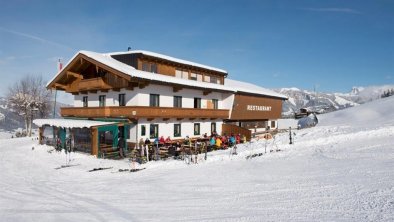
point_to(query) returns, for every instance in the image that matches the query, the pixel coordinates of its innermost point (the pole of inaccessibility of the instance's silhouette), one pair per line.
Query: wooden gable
(86, 74)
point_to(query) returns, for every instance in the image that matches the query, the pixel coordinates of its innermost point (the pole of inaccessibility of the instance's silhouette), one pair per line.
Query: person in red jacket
(238, 138)
(161, 140)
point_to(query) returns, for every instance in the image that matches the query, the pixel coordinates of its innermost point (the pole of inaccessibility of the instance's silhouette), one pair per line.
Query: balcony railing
(135, 112)
(93, 83)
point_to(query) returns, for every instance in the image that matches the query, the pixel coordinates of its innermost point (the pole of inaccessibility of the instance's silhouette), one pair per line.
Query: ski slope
(341, 170)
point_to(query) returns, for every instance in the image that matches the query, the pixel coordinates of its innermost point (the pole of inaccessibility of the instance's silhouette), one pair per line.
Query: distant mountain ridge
(327, 102)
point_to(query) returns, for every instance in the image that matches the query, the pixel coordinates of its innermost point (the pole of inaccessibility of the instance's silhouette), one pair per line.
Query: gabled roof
(168, 58)
(230, 85)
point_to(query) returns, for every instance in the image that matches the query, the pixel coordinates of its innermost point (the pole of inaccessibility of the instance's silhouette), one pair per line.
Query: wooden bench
(108, 151)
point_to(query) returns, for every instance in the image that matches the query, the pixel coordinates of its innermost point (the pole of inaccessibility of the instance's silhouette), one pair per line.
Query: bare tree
(29, 97)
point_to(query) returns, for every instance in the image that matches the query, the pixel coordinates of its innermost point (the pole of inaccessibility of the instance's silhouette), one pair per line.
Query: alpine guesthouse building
(140, 94)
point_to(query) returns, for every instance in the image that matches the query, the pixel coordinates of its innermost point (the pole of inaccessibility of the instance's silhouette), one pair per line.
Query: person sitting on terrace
(157, 149)
(218, 142)
(188, 141)
(224, 139)
(156, 141)
(232, 140)
(161, 141)
(168, 140)
(212, 141)
(147, 141)
(205, 136)
(238, 138)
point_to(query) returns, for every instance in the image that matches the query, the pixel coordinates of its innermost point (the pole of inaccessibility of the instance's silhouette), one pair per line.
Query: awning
(71, 123)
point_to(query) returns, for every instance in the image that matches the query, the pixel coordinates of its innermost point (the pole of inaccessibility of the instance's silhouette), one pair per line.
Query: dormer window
(149, 67)
(196, 77)
(181, 74)
(214, 79)
(193, 76)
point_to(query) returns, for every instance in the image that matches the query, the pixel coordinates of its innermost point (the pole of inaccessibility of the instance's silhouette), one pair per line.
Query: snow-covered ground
(341, 170)
(5, 134)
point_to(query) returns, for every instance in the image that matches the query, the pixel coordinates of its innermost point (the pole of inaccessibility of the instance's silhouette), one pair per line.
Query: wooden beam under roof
(143, 84)
(176, 88)
(206, 92)
(76, 75)
(131, 85)
(61, 86)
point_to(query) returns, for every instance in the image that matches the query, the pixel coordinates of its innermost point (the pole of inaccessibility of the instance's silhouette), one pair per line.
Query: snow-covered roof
(129, 70)
(70, 123)
(230, 85)
(169, 58)
(251, 88)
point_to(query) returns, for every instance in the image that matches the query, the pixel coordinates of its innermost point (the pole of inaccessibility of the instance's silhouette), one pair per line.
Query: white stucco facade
(140, 97)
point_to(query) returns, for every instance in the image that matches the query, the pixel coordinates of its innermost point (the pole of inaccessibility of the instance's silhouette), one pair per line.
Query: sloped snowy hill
(341, 170)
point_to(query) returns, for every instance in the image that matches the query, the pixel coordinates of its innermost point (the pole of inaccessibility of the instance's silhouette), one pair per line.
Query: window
(143, 130)
(199, 77)
(122, 101)
(193, 76)
(154, 131)
(215, 103)
(178, 101)
(178, 73)
(177, 130)
(207, 79)
(154, 100)
(181, 74)
(196, 129)
(149, 67)
(102, 100)
(214, 79)
(197, 103)
(153, 68)
(145, 66)
(273, 124)
(213, 127)
(85, 101)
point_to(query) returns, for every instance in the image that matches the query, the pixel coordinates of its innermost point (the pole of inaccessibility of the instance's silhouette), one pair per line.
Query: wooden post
(94, 139)
(40, 133)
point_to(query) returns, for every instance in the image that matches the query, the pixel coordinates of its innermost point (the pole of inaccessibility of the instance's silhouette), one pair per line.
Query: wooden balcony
(136, 112)
(92, 84)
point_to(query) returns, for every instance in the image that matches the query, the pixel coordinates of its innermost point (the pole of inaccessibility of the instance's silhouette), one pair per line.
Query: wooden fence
(230, 128)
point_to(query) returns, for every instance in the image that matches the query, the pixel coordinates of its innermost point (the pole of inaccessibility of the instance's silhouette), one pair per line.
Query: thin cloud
(44, 41)
(275, 75)
(336, 10)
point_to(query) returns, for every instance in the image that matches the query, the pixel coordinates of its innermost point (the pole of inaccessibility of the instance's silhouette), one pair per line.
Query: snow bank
(286, 123)
(376, 113)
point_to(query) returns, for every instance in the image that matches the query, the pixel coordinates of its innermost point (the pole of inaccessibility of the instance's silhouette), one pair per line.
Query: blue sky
(333, 45)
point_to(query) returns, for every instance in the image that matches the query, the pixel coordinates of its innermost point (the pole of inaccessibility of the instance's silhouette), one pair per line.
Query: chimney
(59, 65)
(129, 48)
